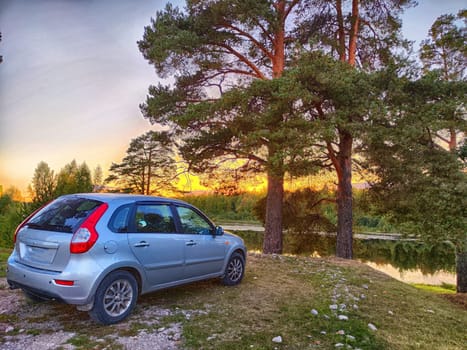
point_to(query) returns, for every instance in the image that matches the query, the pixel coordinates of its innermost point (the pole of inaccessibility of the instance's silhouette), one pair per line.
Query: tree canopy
(445, 53)
(149, 166)
(73, 178)
(445, 48)
(213, 48)
(421, 185)
(43, 184)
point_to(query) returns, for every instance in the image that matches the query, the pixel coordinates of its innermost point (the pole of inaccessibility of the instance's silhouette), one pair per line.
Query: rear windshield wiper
(49, 227)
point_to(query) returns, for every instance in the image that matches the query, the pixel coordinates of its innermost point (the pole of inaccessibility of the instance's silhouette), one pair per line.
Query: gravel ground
(50, 325)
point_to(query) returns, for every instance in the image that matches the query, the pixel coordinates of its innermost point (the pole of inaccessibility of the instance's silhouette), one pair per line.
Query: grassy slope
(276, 298)
(278, 294)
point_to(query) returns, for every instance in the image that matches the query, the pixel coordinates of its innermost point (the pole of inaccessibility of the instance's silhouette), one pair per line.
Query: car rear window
(63, 215)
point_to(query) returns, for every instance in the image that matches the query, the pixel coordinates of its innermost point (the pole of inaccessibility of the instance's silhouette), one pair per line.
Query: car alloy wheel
(118, 297)
(234, 270)
(115, 298)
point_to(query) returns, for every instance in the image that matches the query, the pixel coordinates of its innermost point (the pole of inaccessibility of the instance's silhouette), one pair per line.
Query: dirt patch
(51, 325)
(458, 299)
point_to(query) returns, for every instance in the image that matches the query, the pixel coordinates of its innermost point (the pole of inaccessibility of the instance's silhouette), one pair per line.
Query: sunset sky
(72, 79)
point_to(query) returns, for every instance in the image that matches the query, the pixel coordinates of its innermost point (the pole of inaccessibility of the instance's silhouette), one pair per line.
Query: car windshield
(63, 215)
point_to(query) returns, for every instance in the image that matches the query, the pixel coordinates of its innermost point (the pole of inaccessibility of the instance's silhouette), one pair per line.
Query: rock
(342, 307)
(340, 332)
(390, 312)
(430, 311)
(326, 317)
(365, 286)
(314, 312)
(372, 327)
(323, 332)
(333, 306)
(355, 306)
(343, 317)
(350, 337)
(277, 339)
(339, 345)
(9, 329)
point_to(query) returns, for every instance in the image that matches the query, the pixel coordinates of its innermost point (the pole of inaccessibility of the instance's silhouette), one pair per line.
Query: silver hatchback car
(100, 251)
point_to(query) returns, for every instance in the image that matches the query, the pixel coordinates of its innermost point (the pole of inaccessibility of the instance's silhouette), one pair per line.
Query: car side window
(154, 218)
(119, 220)
(192, 222)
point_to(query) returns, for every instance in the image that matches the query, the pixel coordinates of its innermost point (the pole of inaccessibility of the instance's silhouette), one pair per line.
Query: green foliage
(10, 218)
(367, 217)
(43, 188)
(421, 185)
(226, 208)
(149, 166)
(445, 49)
(73, 179)
(98, 177)
(302, 212)
(378, 29)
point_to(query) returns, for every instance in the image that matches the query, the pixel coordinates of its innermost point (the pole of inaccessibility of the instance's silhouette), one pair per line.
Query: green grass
(445, 288)
(278, 294)
(4, 254)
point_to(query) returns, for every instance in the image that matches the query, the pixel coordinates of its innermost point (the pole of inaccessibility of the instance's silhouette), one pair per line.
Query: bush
(10, 217)
(303, 212)
(226, 208)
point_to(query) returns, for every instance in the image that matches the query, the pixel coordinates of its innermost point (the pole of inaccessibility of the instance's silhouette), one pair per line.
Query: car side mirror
(219, 231)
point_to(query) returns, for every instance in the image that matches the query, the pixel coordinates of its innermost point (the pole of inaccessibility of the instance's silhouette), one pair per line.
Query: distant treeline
(304, 211)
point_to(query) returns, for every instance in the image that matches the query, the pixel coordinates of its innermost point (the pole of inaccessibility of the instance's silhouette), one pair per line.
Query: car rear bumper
(43, 283)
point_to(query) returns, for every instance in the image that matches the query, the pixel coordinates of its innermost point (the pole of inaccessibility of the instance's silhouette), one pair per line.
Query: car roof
(124, 197)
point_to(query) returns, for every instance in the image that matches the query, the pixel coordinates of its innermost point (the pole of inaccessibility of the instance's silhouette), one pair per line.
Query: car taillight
(64, 282)
(86, 235)
(25, 221)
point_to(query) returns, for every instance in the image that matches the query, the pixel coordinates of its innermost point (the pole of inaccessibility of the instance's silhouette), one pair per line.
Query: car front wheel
(234, 271)
(115, 298)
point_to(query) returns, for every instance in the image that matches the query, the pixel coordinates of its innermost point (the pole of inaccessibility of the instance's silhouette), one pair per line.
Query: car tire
(115, 298)
(234, 270)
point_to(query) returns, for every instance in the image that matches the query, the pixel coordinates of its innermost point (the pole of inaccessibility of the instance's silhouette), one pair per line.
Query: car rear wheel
(234, 271)
(115, 298)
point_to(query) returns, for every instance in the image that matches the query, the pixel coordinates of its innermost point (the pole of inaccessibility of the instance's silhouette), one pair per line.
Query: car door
(204, 252)
(155, 243)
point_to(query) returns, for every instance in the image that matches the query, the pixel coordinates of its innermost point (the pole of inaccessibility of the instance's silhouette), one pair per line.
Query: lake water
(407, 261)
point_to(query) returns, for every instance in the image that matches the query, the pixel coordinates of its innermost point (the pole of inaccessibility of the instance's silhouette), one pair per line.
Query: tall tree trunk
(343, 159)
(353, 36)
(452, 139)
(148, 184)
(341, 31)
(272, 243)
(344, 196)
(461, 266)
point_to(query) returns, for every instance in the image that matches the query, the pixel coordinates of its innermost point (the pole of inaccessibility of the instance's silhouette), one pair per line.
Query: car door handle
(141, 244)
(190, 243)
